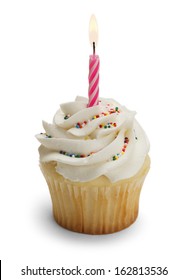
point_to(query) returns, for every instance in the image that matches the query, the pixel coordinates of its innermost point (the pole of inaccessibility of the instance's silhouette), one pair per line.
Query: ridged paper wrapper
(97, 206)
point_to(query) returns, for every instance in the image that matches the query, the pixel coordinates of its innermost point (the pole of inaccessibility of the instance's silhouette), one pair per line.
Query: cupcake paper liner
(95, 207)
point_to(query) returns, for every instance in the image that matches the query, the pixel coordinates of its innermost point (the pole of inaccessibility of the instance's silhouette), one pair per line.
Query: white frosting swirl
(89, 142)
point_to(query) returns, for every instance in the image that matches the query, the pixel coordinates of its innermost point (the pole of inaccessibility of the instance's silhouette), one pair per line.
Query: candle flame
(93, 30)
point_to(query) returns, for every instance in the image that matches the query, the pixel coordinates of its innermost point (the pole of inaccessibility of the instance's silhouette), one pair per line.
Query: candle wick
(93, 48)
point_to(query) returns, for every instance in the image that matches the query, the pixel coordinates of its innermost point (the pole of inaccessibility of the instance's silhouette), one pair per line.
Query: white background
(44, 50)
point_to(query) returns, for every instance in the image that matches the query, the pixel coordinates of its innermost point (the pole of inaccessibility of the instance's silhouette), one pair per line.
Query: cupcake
(94, 161)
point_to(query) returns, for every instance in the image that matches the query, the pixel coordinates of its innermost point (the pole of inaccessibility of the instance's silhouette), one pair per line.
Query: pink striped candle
(94, 63)
(93, 78)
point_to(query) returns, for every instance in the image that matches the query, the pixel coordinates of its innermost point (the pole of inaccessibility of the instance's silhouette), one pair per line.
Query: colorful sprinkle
(67, 116)
(73, 155)
(126, 140)
(136, 138)
(103, 114)
(117, 156)
(46, 135)
(108, 125)
(80, 125)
